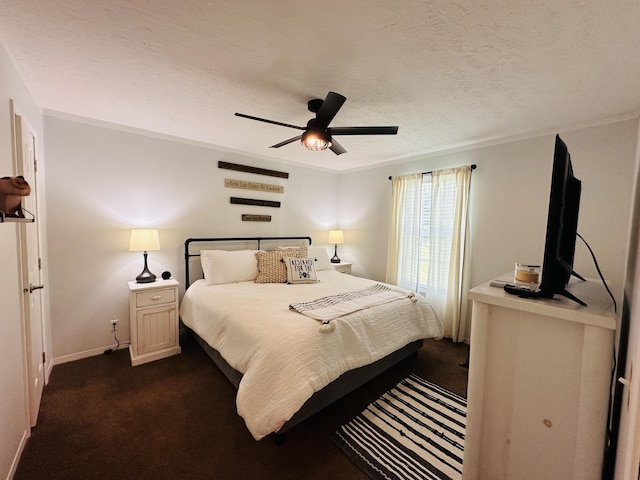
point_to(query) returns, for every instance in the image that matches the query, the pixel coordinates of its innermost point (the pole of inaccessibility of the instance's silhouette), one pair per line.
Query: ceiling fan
(317, 135)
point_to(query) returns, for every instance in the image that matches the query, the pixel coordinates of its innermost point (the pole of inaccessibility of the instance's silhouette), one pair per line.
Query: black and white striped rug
(414, 431)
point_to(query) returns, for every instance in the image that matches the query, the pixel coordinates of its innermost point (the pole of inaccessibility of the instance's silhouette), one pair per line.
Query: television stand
(571, 296)
(577, 275)
(539, 384)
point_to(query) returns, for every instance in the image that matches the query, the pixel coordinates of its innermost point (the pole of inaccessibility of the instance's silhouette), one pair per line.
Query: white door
(31, 267)
(628, 450)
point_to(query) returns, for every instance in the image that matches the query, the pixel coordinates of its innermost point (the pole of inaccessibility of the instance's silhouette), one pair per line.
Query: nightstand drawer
(155, 297)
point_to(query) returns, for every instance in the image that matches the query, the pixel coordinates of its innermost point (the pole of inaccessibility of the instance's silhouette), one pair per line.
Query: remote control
(523, 292)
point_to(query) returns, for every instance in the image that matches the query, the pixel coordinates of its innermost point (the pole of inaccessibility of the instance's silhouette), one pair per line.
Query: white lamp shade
(336, 236)
(144, 240)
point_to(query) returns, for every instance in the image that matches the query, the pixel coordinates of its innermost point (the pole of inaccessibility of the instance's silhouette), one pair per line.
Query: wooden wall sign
(255, 218)
(251, 201)
(259, 187)
(245, 168)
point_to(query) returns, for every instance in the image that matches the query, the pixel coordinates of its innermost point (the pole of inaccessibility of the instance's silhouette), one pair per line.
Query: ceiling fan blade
(286, 142)
(269, 121)
(328, 110)
(362, 131)
(337, 148)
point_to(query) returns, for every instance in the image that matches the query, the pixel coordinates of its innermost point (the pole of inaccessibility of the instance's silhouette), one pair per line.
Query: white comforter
(283, 355)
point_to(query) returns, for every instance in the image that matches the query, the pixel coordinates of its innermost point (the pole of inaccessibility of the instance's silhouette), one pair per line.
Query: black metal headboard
(255, 242)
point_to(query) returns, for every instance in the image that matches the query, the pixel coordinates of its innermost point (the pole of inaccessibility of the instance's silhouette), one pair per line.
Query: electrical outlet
(114, 323)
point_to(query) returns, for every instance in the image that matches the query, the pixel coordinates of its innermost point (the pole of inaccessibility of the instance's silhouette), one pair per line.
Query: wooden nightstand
(153, 319)
(342, 267)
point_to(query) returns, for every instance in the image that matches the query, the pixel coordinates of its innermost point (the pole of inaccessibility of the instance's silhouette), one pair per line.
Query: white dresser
(153, 319)
(539, 382)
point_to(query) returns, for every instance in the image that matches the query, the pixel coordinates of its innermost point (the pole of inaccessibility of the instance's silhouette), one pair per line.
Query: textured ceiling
(448, 73)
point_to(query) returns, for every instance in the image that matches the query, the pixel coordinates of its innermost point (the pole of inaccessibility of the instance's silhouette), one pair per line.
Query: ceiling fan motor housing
(314, 104)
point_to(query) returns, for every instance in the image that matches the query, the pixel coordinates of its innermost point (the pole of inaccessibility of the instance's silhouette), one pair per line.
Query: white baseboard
(48, 371)
(86, 354)
(16, 459)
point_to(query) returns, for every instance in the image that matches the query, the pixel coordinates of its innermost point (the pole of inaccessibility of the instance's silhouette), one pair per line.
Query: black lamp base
(145, 276)
(335, 258)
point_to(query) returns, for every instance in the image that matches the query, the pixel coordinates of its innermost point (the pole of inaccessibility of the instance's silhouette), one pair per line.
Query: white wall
(509, 201)
(102, 182)
(14, 425)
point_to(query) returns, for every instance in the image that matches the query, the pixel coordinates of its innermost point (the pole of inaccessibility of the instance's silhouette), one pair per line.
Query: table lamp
(144, 240)
(336, 237)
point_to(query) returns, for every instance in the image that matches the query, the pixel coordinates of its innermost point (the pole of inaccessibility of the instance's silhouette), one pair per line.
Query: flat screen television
(562, 226)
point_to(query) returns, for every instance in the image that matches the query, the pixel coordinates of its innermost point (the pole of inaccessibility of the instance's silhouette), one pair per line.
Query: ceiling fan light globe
(315, 141)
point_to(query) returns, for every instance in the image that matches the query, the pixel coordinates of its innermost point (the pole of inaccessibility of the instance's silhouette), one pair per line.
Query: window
(427, 239)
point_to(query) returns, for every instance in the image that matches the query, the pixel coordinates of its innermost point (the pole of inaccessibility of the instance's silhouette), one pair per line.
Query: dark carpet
(175, 418)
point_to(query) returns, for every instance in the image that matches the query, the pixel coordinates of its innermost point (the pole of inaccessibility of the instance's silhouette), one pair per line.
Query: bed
(283, 346)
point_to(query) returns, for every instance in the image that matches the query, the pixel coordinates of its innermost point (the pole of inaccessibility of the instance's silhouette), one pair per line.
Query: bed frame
(340, 387)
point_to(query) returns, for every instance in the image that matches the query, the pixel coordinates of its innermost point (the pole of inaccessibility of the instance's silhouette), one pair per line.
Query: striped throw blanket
(327, 309)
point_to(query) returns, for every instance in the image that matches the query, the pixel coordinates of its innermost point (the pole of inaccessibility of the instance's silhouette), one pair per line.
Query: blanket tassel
(328, 326)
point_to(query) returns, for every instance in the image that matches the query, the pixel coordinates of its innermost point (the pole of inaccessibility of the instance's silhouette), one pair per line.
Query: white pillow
(223, 266)
(321, 257)
(300, 270)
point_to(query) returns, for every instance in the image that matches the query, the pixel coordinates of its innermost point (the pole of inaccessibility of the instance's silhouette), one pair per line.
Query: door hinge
(35, 165)
(44, 357)
(39, 263)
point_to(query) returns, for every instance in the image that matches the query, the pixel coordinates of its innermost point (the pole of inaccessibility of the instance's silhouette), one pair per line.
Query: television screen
(562, 226)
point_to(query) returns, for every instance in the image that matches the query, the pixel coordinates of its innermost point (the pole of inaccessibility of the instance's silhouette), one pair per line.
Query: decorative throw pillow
(229, 266)
(300, 270)
(321, 257)
(297, 252)
(271, 268)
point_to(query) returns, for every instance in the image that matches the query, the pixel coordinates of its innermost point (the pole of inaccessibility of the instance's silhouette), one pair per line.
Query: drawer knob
(156, 297)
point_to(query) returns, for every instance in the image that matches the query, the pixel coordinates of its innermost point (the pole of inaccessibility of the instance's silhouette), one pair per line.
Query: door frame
(31, 405)
(623, 460)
